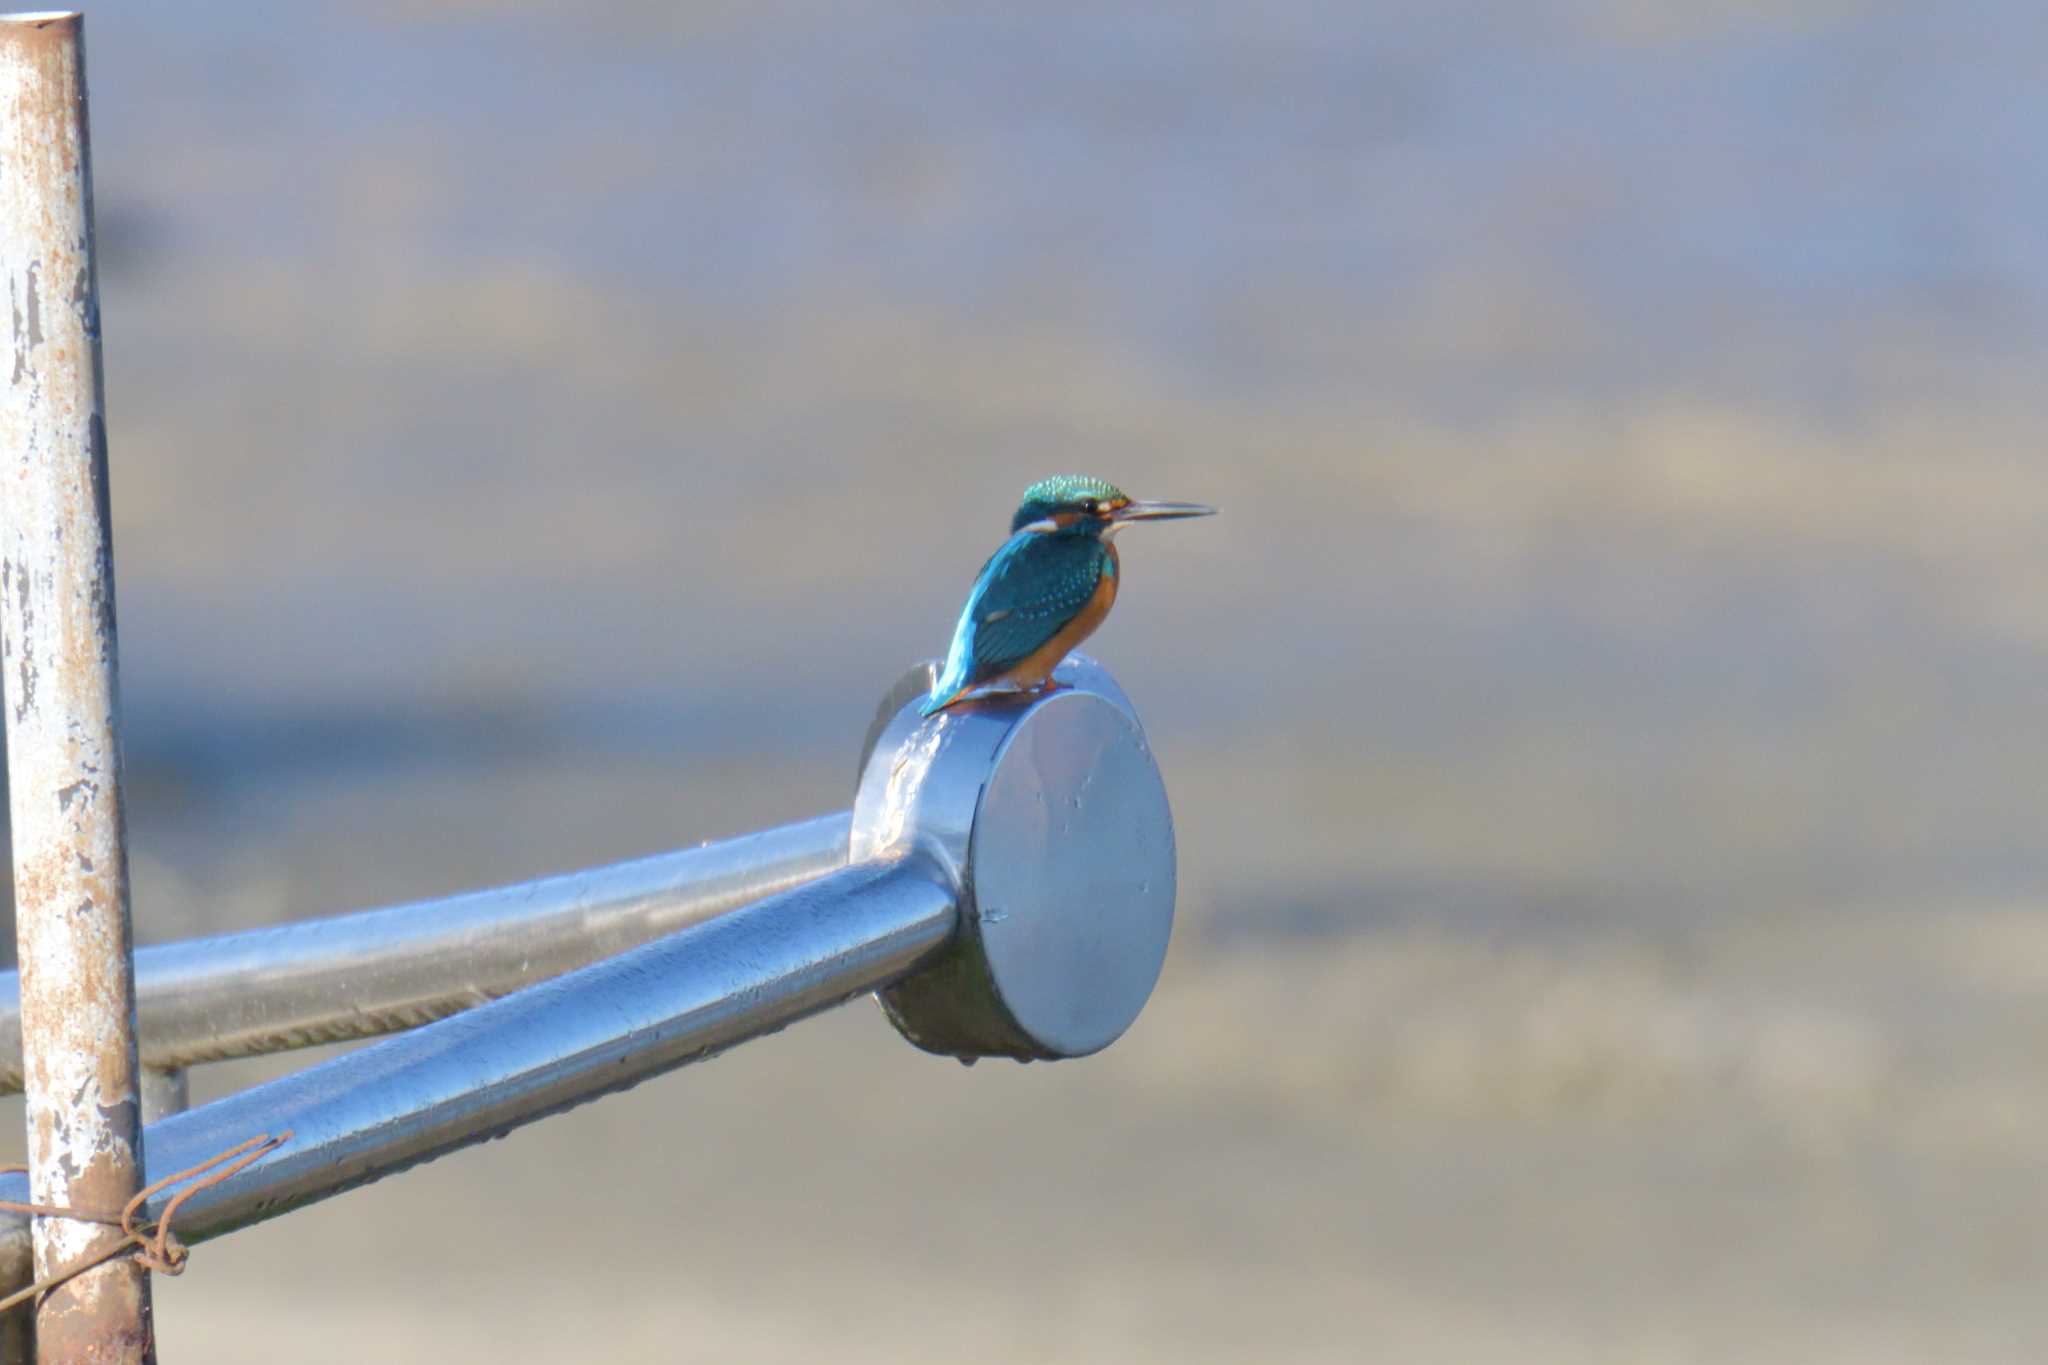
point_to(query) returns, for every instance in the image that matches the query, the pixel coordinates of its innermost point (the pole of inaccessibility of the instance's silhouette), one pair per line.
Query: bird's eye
(1089, 507)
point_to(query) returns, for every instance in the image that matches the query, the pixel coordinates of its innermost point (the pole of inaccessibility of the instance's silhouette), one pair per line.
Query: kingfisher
(1045, 590)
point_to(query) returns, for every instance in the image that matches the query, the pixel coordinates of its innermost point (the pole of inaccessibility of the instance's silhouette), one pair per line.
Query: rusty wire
(156, 1246)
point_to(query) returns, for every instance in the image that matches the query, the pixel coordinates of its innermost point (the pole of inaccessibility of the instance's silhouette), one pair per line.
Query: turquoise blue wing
(1028, 590)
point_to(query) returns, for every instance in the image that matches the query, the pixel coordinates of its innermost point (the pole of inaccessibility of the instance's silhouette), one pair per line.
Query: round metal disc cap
(1050, 814)
(1072, 865)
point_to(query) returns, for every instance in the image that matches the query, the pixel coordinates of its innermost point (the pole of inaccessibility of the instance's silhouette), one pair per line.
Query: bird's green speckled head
(1074, 504)
(1074, 495)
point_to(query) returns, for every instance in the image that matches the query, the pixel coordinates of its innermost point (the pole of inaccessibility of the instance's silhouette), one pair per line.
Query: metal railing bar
(598, 1029)
(381, 971)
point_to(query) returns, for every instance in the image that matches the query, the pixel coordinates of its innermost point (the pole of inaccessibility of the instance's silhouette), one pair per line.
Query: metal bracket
(1008, 891)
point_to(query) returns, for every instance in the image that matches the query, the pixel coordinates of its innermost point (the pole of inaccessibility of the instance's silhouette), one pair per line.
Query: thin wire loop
(155, 1244)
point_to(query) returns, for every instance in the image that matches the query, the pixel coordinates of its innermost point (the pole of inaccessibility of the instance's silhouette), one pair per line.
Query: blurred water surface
(1603, 725)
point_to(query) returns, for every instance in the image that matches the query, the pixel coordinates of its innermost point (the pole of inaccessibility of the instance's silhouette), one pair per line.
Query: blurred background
(1605, 725)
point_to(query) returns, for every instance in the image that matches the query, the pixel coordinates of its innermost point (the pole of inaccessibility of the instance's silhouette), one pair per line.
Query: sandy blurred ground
(1604, 727)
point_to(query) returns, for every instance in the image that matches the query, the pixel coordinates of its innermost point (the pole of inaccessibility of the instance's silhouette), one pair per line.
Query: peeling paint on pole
(57, 664)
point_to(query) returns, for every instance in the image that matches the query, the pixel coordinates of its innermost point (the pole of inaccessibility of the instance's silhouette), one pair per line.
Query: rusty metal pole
(63, 751)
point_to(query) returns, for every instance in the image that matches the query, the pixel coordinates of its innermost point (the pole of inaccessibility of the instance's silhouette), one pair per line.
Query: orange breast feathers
(1038, 665)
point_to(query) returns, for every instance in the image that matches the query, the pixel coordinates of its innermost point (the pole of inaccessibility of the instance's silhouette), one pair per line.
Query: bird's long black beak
(1160, 511)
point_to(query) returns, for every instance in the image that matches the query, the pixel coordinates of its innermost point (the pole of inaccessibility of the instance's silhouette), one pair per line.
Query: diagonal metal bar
(601, 1028)
(380, 971)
